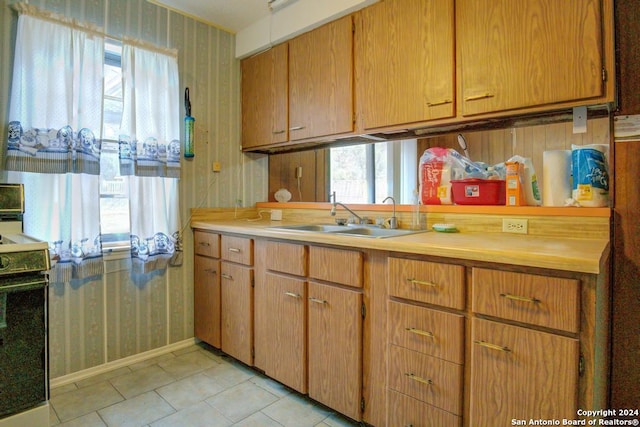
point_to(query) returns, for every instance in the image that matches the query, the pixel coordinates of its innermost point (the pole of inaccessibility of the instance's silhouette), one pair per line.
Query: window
(114, 194)
(368, 173)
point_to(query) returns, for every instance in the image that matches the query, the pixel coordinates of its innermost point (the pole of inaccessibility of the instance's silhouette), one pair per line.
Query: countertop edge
(565, 254)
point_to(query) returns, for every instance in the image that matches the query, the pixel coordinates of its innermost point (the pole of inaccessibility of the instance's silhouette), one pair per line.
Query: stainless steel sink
(317, 228)
(349, 230)
(377, 232)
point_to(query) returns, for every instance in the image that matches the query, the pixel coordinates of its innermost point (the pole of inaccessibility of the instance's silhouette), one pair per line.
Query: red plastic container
(473, 191)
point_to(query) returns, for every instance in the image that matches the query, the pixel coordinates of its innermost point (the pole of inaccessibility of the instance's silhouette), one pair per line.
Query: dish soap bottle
(416, 219)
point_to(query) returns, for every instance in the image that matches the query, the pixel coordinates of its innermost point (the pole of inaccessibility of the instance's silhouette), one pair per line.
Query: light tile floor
(196, 386)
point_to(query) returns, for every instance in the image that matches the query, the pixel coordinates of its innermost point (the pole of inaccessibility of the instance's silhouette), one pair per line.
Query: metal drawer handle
(297, 128)
(317, 301)
(227, 276)
(477, 97)
(419, 379)
(519, 298)
(211, 270)
(420, 332)
(422, 282)
(204, 244)
(291, 294)
(434, 104)
(236, 250)
(493, 346)
(278, 132)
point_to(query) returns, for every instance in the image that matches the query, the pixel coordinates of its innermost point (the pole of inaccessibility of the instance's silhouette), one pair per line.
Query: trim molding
(110, 366)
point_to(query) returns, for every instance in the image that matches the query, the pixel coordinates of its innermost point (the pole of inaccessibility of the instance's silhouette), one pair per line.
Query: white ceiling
(231, 15)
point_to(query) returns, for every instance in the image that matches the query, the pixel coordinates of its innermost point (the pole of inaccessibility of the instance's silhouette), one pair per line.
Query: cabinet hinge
(363, 310)
(253, 282)
(362, 404)
(604, 74)
(581, 365)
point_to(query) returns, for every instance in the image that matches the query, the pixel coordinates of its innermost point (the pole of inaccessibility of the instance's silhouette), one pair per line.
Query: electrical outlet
(512, 225)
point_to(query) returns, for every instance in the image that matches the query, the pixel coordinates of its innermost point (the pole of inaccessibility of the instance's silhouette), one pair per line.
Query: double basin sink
(356, 230)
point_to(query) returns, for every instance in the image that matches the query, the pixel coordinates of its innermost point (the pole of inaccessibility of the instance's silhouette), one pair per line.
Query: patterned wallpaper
(101, 320)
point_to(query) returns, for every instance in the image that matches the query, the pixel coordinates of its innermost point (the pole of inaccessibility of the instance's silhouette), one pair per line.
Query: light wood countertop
(558, 253)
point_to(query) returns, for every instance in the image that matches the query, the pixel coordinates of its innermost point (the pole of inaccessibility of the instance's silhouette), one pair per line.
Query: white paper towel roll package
(590, 171)
(556, 173)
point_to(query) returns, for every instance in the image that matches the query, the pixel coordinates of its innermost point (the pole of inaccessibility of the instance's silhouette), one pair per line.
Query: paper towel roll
(590, 183)
(556, 173)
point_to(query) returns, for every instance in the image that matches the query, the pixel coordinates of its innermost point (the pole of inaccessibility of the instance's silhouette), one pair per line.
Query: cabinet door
(237, 311)
(407, 62)
(206, 300)
(264, 97)
(286, 329)
(518, 54)
(335, 348)
(518, 373)
(321, 81)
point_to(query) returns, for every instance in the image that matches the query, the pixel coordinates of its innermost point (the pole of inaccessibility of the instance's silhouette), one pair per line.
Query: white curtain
(150, 150)
(150, 128)
(55, 109)
(55, 113)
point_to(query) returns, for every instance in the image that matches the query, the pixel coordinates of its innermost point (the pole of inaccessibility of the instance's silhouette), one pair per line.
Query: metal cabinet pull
(520, 298)
(419, 332)
(211, 270)
(291, 294)
(436, 103)
(419, 379)
(204, 243)
(492, 346)
(236, 250)
(296, 128)
(278, 132)
(477, 97)
(227, 276)
(422, 282)
(318, 301)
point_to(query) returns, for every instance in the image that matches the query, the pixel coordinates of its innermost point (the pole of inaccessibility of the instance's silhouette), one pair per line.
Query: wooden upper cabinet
(520, 54)
(265, 98)
(321, 81)
(407, 62)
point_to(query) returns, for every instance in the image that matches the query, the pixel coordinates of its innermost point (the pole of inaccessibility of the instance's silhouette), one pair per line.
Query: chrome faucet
(393, 221)
(334, 204)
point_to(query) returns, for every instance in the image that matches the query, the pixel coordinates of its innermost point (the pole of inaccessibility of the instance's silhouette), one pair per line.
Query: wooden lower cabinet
(237, 311)
(206, 299)
(335, 347)
(520, 373)
(286, 330)
(407, 411)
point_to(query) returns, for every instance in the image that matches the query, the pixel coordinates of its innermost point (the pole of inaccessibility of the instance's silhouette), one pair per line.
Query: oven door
(23, 343)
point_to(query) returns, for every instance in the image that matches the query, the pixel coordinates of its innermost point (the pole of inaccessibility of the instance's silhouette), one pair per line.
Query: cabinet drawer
(206, 244)
(539, 300)
(407, 411)
(287, 258)
(426, 378)
(237, 249)
(430, 282)
(336, 265)
(519, 373)
(432, 332)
